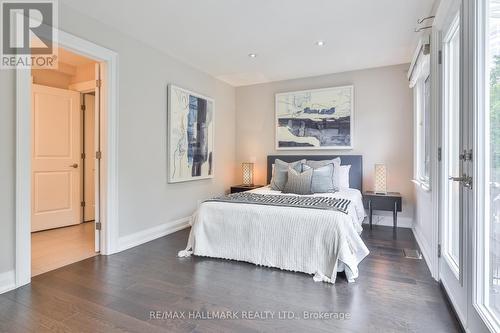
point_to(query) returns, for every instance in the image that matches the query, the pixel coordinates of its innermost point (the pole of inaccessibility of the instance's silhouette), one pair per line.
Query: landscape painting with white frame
(190, 135)
(315, 119)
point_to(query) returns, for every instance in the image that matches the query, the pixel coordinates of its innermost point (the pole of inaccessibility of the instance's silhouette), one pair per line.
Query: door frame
(109, 148)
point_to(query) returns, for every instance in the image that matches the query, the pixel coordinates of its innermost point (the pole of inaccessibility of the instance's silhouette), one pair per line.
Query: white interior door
(89, 161)
(56, 191)
(454, 188)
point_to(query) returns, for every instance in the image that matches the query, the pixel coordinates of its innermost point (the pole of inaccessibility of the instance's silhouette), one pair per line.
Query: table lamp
(380, 179)
(247, 168)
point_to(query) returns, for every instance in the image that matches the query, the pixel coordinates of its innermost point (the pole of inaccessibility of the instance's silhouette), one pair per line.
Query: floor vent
(412, 254)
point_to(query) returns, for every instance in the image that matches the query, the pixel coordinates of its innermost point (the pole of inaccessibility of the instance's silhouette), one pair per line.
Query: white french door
(455, 184)
(469, 266)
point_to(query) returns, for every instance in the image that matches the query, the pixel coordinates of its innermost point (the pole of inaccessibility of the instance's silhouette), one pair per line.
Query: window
(489, 222)
(421, 82)
(425, 138)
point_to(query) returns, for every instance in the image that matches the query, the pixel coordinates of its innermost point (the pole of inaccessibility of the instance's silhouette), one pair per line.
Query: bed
(319, 242)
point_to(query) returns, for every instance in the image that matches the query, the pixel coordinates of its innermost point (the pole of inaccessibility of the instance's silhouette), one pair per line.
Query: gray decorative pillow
(336, 169)
(322, 179)
(299, 182)
(280, 174)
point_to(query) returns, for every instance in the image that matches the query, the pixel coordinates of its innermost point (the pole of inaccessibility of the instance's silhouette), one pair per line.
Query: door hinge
(98, 155)
(439, 250)
(439, 154)
(82, 156)
(440, 57)
(82, 203)
(466, 155)
(98, 226)
(82, 107)
(98, 83)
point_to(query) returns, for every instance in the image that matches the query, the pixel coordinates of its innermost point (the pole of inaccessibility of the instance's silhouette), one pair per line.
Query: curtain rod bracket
(422, 20)
(423, 28)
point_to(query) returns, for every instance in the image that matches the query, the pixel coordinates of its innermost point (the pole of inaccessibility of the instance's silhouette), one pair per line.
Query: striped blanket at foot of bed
(325, 203)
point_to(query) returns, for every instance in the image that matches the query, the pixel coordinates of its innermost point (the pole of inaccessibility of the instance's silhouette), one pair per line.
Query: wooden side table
(391, 201)
(243, 188)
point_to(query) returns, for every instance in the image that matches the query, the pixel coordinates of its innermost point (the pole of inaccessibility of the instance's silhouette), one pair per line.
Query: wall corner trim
(147, 235)
(7, 281)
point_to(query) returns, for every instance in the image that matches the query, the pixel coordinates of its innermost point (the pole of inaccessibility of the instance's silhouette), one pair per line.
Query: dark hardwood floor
(117, 293)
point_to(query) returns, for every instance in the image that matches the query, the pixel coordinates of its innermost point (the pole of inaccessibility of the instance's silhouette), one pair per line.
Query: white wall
(145, 198)
(426, 223)
(7, 169)
(382, 131)
(423, 226)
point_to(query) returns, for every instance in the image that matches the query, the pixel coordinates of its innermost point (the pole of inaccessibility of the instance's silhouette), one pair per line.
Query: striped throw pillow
(299, 182)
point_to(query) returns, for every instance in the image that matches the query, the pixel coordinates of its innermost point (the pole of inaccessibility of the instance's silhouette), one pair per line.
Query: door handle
(465, 180)
(74, 165)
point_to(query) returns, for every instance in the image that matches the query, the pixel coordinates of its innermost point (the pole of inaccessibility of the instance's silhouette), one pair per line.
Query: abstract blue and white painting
(190, 135)
(315, 119)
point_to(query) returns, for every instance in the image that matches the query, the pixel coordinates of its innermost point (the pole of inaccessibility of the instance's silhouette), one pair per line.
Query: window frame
(422, 110)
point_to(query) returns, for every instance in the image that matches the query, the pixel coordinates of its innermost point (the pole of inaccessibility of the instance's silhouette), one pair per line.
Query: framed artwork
(315, 119)
(190, 140)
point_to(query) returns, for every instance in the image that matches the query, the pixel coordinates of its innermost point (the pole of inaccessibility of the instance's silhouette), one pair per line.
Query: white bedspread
(313, 241)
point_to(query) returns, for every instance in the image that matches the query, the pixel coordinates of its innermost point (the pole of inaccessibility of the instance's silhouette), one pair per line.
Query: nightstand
(389, 202)
(243, 188)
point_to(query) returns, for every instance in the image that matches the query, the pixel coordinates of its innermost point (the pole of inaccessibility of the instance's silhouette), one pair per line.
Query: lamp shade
(247, 171)
(380, 185)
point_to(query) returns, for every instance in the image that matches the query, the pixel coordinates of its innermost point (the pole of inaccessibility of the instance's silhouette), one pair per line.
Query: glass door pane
(492, 151)
(452, 146)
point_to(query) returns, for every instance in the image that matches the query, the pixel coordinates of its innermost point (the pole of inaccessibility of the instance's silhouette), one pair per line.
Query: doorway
(108, 178)
(64, 164)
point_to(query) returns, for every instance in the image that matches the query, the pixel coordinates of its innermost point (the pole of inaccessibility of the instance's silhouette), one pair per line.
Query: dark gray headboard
(356, 162)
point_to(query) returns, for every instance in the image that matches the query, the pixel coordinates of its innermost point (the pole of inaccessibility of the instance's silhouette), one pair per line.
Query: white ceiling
(216, 36)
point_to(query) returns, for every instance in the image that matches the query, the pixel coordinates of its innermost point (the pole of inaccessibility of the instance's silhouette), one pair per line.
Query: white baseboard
(7, 281)
(425, 248)
(453, 300)
(147, 235)
(386, 220)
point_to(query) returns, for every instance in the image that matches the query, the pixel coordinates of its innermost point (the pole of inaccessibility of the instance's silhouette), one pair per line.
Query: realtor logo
(28, 34)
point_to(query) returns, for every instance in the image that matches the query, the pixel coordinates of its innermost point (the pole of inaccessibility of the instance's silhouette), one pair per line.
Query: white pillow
(344, 176)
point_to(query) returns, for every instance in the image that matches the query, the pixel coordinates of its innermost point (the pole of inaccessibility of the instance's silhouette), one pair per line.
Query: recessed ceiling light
(252, 55)
(320, 43)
